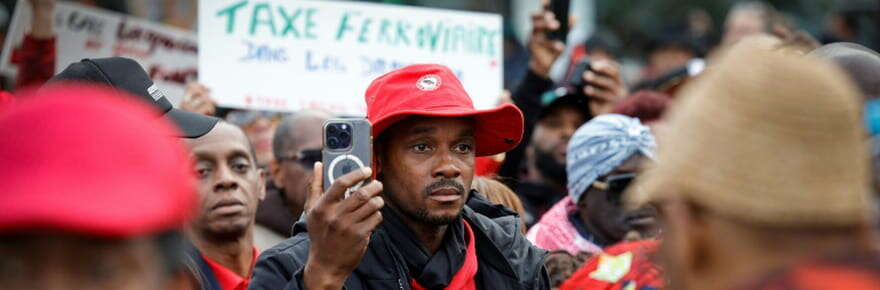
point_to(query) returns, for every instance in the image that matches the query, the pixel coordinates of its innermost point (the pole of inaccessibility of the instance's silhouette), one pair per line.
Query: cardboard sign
(168, 54)
(289, 55)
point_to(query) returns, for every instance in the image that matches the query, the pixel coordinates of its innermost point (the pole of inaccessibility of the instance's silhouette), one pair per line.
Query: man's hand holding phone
(339, 228)
(604, 86)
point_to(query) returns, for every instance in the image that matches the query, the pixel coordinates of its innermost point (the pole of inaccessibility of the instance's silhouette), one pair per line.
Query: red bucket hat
(433, 90)
(91, 161)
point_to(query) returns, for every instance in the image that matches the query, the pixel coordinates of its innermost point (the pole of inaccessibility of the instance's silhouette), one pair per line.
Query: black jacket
(506, 259)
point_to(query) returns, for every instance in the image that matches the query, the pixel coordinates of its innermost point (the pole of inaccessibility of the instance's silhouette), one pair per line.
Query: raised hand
(605, 87)
(544, 51)
(339, 228)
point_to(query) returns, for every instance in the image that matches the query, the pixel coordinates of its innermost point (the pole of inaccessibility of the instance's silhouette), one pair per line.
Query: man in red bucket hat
(419, 225)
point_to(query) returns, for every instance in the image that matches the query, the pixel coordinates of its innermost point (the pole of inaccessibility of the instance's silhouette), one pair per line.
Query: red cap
(91, 161)
(433, 90)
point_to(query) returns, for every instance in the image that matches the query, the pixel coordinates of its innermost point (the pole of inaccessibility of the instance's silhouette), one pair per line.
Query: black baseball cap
(562, 97)
(127, 75)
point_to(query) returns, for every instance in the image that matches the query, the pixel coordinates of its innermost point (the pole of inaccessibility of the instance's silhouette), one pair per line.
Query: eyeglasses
(305, 158)
(615, 185)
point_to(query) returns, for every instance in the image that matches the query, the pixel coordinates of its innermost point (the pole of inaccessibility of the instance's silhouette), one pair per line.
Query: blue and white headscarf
(600, 146)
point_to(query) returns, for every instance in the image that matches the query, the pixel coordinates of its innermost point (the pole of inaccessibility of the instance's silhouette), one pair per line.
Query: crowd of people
(755, 168)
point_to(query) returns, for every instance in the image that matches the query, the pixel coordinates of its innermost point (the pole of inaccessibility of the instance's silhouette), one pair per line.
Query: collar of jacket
(499, 242)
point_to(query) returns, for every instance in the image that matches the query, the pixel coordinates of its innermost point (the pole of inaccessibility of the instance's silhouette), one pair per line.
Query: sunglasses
(615, 186)
(305, 158)
(245, 117)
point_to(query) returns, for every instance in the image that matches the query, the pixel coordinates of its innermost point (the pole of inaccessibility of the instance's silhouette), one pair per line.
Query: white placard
(289, 55)
(168, 54)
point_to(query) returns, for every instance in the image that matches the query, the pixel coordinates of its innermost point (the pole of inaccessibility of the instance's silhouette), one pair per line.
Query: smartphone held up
(560, 10)
(347, 147)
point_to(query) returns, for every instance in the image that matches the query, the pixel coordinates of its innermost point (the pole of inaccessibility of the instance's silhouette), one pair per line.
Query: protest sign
(289, 55)
(168, 54)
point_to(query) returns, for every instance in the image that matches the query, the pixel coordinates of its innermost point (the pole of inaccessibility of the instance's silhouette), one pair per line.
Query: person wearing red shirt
(231, 185)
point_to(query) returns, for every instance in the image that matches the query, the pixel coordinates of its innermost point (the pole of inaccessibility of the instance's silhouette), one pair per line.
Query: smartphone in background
(560, 9)
(575, 83)
(576, 78)
(347, 147)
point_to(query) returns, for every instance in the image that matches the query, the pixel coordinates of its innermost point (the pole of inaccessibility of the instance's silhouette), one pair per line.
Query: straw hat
(766, 138)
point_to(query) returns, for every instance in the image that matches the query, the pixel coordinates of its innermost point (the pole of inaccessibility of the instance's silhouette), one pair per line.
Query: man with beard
(535, 169)
(231, 186)
(604, 157)
(435, 232)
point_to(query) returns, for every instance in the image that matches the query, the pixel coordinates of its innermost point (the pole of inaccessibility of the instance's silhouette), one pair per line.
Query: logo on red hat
(428, 82)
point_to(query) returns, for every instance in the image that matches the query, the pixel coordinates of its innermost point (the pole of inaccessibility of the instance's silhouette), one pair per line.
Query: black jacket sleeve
(543, 282)
(281, 267)
(528, 98)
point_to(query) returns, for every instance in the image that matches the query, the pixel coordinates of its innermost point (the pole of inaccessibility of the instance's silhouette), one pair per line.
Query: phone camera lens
(338, 136)
(333, 142)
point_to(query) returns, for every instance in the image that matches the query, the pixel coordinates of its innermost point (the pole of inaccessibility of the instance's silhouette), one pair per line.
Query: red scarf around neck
(464, 278)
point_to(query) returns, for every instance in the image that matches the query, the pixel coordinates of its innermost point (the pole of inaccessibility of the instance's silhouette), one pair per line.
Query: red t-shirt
(230, 280)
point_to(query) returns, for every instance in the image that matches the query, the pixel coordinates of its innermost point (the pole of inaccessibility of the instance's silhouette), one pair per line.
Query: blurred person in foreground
(231, 185)
(535, 169)
(764, 180)
(96, 191)
(296, 147)
(419, 225)
(604, 157)
(860, 63)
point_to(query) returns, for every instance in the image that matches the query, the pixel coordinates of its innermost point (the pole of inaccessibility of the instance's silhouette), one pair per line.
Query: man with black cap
(536, 168)
(231, 185)
(127, 75)
(435, 232)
